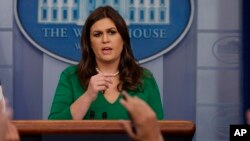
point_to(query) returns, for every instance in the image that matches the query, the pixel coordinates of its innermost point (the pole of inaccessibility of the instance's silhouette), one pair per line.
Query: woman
(91, 90)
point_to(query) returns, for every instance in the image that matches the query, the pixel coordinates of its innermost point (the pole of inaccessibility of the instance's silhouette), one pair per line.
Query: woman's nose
(105, 38)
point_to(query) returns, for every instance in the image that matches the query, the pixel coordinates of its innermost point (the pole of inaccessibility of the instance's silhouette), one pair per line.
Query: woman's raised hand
(98, 82)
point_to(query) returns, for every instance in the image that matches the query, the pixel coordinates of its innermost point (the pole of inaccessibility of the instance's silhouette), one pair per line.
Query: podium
(95, 130)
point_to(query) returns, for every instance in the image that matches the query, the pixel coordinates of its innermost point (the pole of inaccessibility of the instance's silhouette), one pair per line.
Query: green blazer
(69, 89)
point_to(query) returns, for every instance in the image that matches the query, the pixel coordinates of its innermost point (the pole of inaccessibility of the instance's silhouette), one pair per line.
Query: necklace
(114, 74)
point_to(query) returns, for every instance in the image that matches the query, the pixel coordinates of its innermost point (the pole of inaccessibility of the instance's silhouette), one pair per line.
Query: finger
(2, 104)
(126, 104)
(8, 113)
(128, 101)
(130, 108)
(102, 83)
(106, 79)
(126, 96)
(102, 88)
(127, 126)
(109, 75)
(105, 75)
(134, 106)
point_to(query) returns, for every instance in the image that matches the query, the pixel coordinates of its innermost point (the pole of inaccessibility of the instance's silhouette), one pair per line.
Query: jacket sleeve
(63, 99)
(154, 97)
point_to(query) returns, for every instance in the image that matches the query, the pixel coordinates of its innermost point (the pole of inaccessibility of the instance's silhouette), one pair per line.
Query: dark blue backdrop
(245, 56)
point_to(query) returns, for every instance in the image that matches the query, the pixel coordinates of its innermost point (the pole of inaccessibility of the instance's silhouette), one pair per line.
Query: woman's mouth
(106, 50)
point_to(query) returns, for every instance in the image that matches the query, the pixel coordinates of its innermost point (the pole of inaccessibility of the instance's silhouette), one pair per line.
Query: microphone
(92, 115)
(104, 115)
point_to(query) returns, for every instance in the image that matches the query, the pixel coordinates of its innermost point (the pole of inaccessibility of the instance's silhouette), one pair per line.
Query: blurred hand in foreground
(8, 131)
(143, 120)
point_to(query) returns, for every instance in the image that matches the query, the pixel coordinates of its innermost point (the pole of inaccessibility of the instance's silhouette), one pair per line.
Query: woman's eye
(97, 34)
(112, 32)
